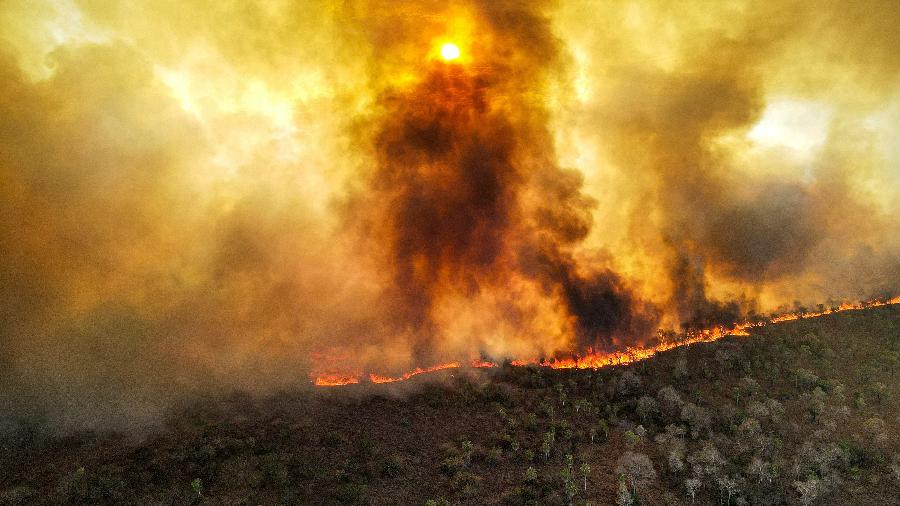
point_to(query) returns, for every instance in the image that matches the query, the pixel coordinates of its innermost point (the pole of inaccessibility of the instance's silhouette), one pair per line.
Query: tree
(547, 445)
(671, 447)
(583, 404)
(637, 469)
(624, 496)
(585, 472)
(697, 418)
(692, 485)
(729, 485)
(707, 462)
(762, 470)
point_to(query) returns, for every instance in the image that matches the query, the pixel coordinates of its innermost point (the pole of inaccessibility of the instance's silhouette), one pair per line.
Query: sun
(449, 51)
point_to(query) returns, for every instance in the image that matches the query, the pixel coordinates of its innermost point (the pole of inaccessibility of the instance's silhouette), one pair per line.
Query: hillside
(802, 412)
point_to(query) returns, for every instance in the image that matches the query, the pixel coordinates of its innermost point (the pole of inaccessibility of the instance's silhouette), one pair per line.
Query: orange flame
(334, 380)
(375, 378)
(598, 359)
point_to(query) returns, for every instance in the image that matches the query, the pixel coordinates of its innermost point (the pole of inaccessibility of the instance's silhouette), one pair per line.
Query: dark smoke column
(467, 196)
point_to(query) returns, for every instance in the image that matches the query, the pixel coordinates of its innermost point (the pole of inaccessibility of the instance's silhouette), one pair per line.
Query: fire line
(597, 359)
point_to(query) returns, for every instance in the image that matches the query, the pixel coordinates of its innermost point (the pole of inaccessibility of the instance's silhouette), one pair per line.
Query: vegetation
(803, 412)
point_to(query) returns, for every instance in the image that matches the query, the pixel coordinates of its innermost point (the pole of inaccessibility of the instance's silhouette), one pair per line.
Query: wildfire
(597, 359)
(376, 378)
(333, 380)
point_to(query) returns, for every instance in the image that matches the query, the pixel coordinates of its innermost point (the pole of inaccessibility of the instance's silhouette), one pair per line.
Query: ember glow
(353, 190)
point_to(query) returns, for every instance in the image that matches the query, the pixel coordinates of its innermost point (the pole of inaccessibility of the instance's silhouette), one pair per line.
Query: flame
(375, 378)
(595, 359)
(334, 380)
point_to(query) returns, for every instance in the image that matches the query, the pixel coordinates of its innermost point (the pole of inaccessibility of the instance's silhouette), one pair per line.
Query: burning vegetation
(595, 359)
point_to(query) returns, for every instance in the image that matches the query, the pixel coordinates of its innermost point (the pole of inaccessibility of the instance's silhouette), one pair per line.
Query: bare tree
(637, 469)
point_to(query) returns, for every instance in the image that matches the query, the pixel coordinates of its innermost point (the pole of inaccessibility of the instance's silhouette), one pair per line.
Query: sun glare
(449, 51)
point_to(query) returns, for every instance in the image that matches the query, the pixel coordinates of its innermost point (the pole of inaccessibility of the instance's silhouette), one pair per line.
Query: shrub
(583, 405)
(466, 483)
(776, 410)
(632, 440)
(757, 409)
(647, 408)
(352, 493)
(748, 433)
(723, 358)
(197, 486)
(810, 490)
(467, 448)
(749, 386)
(670, 402)
(392, 466)
(874, 430)
(452, 464)
(818, 459)
(878, 391)
(601, 430)
(629, 383)
(680, 371)
(839, 393)
(804, 378)
(548, 410)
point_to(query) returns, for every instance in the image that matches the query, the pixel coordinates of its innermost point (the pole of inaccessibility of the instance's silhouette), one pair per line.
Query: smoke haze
(297, 187)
